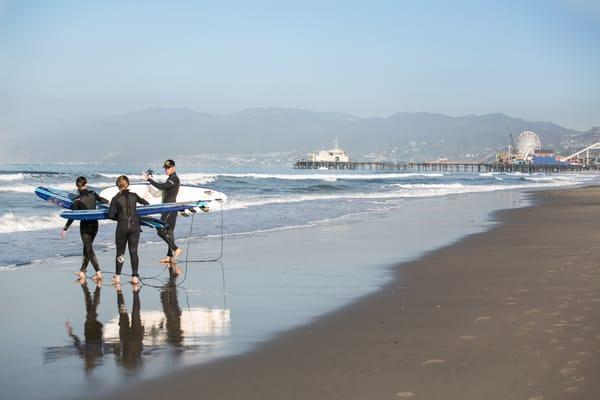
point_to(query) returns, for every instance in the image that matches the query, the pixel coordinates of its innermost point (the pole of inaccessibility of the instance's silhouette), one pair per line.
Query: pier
(441, 166)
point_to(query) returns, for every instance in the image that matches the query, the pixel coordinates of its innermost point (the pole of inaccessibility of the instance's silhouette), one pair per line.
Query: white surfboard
(187, 193)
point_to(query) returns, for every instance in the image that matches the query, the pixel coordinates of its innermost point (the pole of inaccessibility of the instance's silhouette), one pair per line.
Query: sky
(63, 61)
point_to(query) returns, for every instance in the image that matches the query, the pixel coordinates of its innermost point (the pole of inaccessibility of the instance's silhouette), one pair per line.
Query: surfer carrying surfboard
(86, 200)
(123, 210)
(169, 189)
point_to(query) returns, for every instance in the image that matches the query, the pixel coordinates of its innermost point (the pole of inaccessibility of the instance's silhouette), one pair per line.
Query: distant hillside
(157, 133)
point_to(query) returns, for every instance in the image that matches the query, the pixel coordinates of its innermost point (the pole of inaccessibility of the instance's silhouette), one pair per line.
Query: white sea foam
(22, 188)
(186, 179)
(10, 222)
(332, 177)
(69, 187)
(12, 177)
(398, 191)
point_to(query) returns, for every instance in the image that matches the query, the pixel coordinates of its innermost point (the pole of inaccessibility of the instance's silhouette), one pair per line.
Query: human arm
(168, 184)
(140, 200)
(100, 199)
(76, 206)
(112, 210)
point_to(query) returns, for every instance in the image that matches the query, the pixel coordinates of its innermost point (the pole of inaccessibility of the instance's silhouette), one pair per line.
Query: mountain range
(158, 133)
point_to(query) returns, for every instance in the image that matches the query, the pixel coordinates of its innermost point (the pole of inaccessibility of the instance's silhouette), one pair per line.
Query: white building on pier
(332, 155)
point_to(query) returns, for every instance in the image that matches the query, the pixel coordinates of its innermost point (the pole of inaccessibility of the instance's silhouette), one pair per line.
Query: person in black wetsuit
(86, 200)
(170, 188)
(123, 210)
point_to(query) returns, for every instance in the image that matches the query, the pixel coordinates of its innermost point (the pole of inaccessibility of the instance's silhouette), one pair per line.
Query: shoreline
(266, 285)
(508, 313)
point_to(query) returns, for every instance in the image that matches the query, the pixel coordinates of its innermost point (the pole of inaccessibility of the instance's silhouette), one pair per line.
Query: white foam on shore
(10, 222)
(398, 191)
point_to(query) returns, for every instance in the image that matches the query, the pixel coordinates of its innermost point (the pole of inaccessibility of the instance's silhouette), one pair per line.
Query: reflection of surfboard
(102, 213)
(187, 193)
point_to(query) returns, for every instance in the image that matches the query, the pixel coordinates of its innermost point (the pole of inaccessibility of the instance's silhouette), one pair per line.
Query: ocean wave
(332, 177)
(557, 178)
(397, 191)
(31, 188)
(10, 222)
(12, 177)
(69, 187)
(186, 179)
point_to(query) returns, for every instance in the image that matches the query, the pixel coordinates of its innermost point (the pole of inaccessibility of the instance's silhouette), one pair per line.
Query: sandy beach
(507, 314)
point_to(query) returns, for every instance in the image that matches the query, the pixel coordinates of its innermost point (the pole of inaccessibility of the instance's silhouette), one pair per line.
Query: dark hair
(80, 182)
(122, 182)
(168, 163)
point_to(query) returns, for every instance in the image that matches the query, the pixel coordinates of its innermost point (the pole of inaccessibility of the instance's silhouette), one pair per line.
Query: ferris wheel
(527, 143)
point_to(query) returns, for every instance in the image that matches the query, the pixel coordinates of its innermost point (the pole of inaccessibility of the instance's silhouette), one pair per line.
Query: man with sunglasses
(169, 188)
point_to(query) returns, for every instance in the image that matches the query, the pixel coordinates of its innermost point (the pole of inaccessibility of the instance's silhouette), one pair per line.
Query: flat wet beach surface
(513, 313)
(73, 341)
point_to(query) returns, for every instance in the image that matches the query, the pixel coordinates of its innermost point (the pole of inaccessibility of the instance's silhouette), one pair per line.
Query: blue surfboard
(65, 199)
(102, 213)
(57, 197)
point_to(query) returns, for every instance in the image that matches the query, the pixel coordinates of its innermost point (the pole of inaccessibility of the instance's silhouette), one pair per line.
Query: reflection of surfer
(91, 350)
(86, 200)
(168, 298)
(131, 335)
(170, 189)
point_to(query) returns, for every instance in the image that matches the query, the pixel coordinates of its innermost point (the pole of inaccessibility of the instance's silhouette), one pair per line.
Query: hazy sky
(63, 60)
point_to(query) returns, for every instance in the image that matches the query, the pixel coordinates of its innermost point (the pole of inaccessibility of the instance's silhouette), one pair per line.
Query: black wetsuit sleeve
(76, 206)
(141, 200)
(112, 210)
(162, 186)
(100, 199)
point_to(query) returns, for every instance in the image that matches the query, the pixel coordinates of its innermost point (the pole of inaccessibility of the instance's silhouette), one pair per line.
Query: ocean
(260, 199)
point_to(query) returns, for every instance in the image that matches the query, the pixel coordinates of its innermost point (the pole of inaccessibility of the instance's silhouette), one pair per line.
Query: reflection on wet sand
(128, 349)
(91, 350)
(139, 335)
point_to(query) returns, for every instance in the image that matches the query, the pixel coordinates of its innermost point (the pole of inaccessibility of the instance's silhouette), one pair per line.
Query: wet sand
(513, 313)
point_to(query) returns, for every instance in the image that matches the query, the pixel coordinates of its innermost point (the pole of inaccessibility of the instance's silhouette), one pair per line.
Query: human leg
(121, 242)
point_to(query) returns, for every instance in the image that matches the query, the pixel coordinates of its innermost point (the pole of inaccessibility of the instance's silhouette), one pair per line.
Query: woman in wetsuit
(86, 200)
(123, 210)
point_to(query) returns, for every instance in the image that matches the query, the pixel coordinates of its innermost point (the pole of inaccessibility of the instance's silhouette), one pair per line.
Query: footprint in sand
(483, 318)
(406, 395)
(467, 338)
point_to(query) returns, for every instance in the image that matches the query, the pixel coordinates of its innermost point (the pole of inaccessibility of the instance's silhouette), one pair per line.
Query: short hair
(80, 182)
(122, 182)
(168, 163)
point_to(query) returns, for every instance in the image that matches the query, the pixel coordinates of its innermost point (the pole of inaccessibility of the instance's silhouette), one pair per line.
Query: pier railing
(440, 166)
